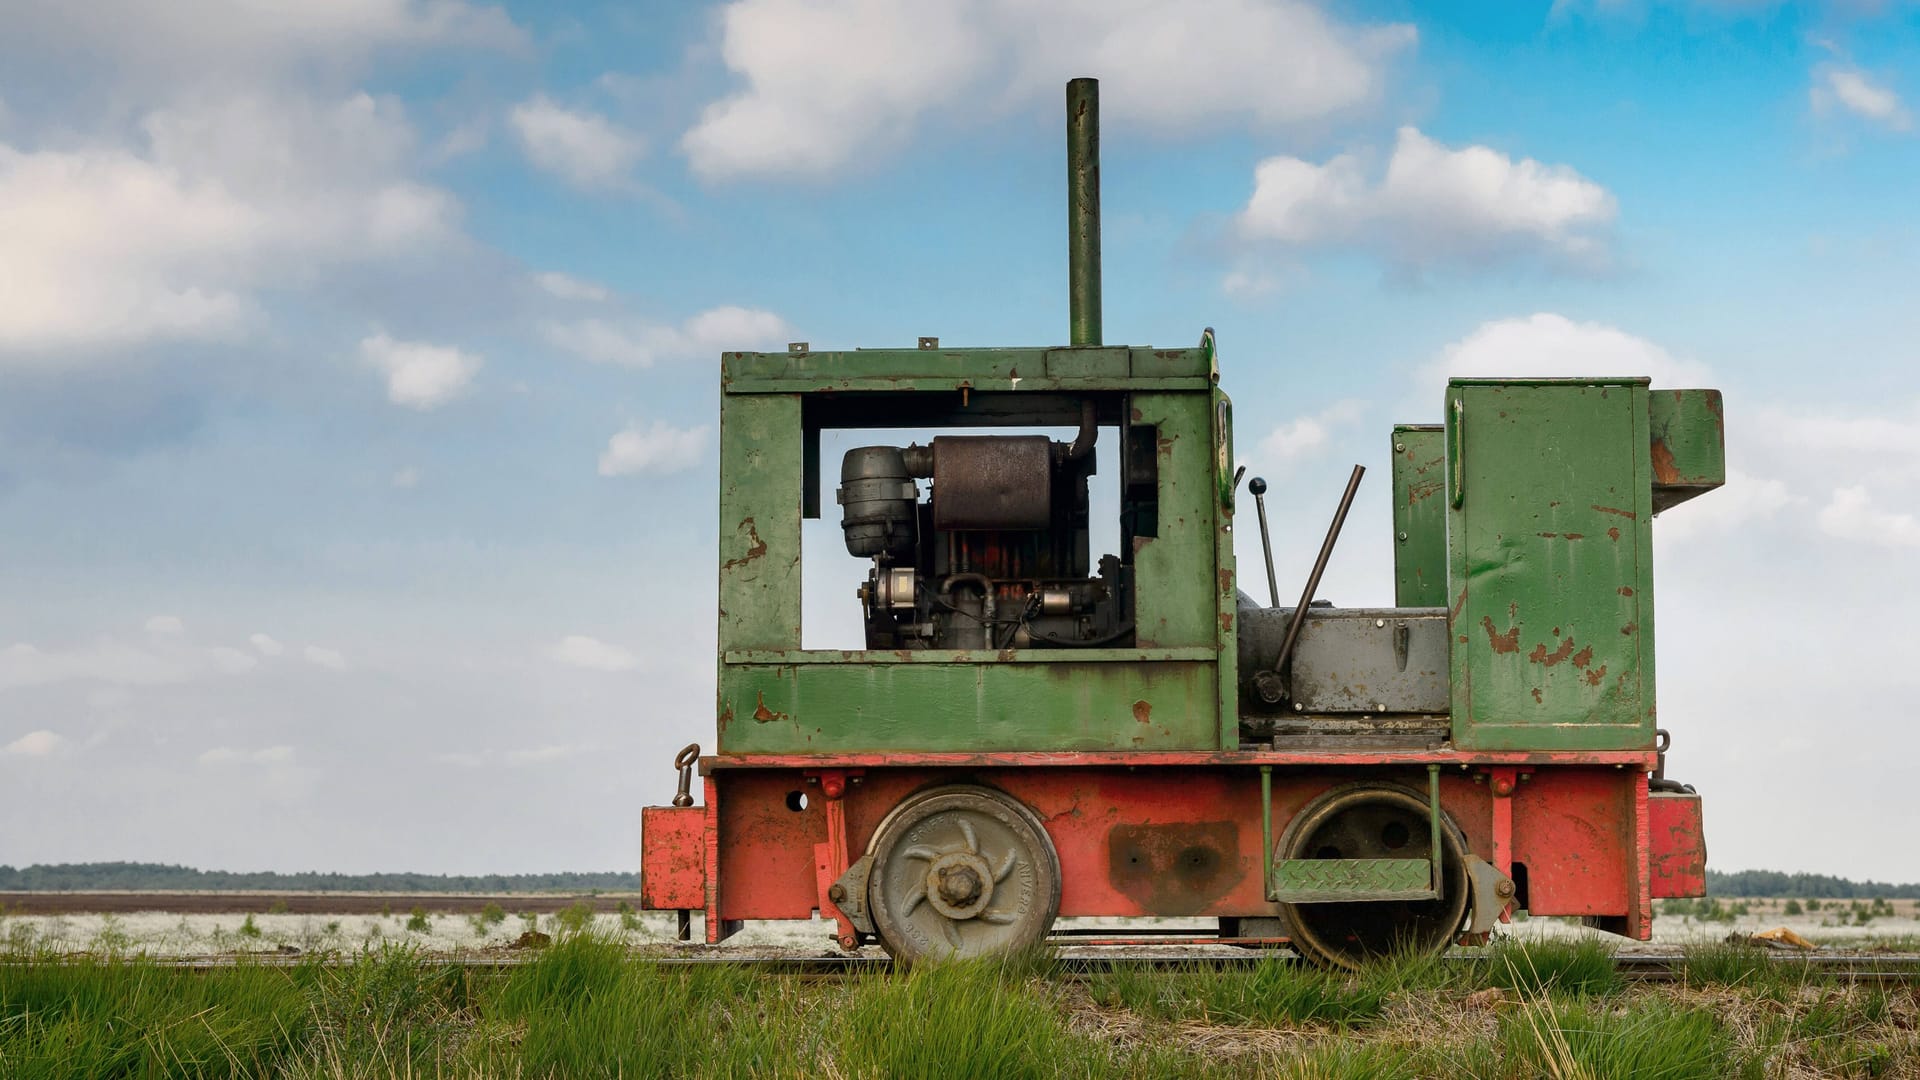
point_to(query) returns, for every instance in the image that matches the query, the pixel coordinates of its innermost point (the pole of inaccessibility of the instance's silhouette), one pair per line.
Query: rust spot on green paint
(1540, 655)
(1143, 712)
(1613, 532)
(1556, 536)
(1630, 628)
(1628, 514)
(764, 714)
(1226, 579)
(1501, 643)
(1664, 469)
(1626, 590)
(755, 550)
(1594, 676)
(1537, 699)
(1584, 657)
(1226, 622)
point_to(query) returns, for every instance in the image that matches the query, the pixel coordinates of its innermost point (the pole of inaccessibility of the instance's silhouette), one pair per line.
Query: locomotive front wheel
(962, 871)
(1374, 821)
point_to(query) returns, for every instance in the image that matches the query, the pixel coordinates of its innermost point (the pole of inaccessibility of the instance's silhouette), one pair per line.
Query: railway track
(300, 903)
(1073, 961)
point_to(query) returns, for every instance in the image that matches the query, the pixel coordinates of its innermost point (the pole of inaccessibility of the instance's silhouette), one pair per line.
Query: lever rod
(1319, 567)
(1258, 487)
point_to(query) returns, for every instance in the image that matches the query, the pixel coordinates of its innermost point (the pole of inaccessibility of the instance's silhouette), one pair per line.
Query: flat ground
(586, 1007)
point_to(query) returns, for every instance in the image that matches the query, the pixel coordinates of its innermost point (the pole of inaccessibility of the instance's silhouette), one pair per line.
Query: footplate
(1313, 881)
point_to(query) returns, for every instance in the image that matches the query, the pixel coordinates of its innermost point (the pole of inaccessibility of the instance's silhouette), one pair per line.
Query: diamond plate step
(1312, 881)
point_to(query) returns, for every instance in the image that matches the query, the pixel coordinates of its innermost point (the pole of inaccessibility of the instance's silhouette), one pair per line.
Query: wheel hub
(959, 884)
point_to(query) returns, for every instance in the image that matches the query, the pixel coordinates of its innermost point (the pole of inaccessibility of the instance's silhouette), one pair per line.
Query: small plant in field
(112, 938)
(1793, 908)
(20, 936)
(333, 927)
(577, 917)
(629, 918)
(417, 922)
(249, 928)
(1813, 904)
(529, 919)
(386, 909)
(279, 907)
(491, 915)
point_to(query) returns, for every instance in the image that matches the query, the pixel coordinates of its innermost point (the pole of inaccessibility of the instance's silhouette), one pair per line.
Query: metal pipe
(1083, 210)
(1319, 567)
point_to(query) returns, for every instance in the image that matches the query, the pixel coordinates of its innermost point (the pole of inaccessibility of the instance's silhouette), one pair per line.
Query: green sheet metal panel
(1550, 564)
(1054, 705)
(1175, 585)
(1689, 449)
(1066, 368)
(760, 467)
(1226, 639)
(1419, 516)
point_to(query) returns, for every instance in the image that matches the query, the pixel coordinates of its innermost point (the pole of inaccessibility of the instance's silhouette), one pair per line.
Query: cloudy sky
(358, 361)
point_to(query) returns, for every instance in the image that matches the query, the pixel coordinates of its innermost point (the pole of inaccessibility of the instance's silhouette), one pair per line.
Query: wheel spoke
(920, 851)
(913, 898)
(999, 918)
(973, 840)
(1006, 866)
(952, 930)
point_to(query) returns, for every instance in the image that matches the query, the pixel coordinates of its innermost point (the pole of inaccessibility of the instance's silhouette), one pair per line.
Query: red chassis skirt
(1172, 834)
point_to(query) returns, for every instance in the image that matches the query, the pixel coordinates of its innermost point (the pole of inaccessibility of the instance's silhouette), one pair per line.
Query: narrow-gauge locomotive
(1033, 733)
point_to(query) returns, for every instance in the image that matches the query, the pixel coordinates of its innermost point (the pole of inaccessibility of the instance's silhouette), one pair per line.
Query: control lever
(1258, 487)
(1271, 684)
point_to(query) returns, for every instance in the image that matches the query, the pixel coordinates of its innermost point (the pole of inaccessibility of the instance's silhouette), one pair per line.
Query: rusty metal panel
(1678, 844)
(673, 857)
(1689, 446)
(1372, 660)
(1551, 564)
(760, 466)
(1052, 704)
(1574, 830)
(1017, 369)
(1176, 598)
(1419, 516)
(992, 482)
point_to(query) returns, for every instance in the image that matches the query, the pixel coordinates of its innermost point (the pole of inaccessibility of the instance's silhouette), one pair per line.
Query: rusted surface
(763, 714)
(992, 482)
(756, 547)
(1677, 845)
(1664, 469)
(1499, 642)
(1572, 827)
(1628, 514)
(1540, 655)
(1175, 869)
(1143, 712)
(673, 871)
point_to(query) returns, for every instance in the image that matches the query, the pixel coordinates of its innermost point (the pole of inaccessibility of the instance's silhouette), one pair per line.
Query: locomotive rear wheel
(962, 871)
(1374, 821)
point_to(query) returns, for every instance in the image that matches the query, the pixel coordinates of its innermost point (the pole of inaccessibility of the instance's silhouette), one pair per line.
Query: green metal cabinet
(1549, 493)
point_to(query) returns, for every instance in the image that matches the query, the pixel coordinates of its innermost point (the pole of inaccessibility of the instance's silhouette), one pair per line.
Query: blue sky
(358, 362)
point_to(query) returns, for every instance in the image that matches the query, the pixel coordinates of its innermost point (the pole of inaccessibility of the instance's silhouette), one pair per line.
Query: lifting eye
(796, 801)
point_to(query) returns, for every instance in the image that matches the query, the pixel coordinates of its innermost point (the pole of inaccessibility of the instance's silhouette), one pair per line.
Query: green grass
(586, 1007)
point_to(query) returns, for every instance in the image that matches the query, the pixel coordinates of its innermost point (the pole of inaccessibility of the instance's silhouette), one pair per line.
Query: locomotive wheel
(1374, 821)
(962, 871)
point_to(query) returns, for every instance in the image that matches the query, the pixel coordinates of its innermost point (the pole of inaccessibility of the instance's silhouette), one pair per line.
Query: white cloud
(638, 343)
(1743, 500)
(166, 624)
(330, 659)
(1303, 435)
(406, 479)
(420, 375)
(580, 651)
(1851, 90)
(1432, 204)
(188, 40)
(107, 661)
(228, 755)
(109, 246)
(1549, 345)
(1852, 515)
(568, 287)
(660, 448)
(827, 82)
(583, 148)
(35, 744)
(231, 660)
(265, 645)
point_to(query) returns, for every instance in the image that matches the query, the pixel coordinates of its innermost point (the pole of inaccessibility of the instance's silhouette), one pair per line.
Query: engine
(996, 556)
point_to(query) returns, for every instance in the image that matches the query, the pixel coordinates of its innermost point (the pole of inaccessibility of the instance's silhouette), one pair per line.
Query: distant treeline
(156, 877)
(1759, 883)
